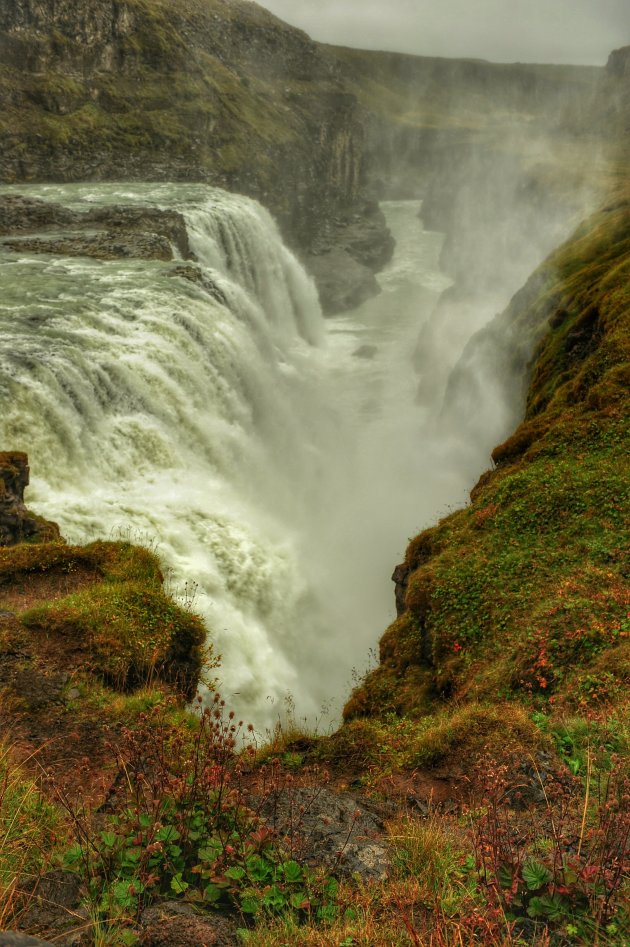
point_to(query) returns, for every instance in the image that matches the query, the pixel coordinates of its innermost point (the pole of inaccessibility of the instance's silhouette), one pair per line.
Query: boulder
(336, 830)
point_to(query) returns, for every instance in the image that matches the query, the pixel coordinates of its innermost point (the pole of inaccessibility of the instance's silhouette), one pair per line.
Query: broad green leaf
(299, 900)
(178, 885)
(535, 875)
(258, 869)
(212, 894)
(168, 833)
(250, 905)
(274, 898)
(292, 872)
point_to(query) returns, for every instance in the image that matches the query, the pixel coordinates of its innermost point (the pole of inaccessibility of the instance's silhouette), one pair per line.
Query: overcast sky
(577, 31)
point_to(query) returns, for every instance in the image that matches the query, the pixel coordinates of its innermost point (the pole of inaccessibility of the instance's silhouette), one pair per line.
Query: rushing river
(280, 461)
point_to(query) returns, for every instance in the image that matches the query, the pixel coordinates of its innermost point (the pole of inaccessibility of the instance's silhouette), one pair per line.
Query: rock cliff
(218, 91)
(17, 525)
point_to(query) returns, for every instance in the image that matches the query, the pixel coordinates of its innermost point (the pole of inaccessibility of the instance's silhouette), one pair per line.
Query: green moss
(117, 613)
(454, 737)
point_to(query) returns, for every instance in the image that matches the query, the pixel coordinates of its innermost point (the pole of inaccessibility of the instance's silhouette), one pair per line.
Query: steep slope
(525, 593)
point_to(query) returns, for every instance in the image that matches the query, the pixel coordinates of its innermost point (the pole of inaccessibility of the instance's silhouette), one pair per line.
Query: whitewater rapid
(280, 462)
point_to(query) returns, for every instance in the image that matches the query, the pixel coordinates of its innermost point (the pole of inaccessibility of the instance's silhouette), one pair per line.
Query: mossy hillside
(524, 594)
(106, 603)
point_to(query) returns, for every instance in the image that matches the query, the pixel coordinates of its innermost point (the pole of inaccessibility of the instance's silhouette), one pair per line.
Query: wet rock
(167, 223)
(195, 274)
(365, 351)
(106, 246)
(368, 240)
(335, 830)
(19, 214)
(343, 283)
(15, 939)
(16, 523)
(138, 232)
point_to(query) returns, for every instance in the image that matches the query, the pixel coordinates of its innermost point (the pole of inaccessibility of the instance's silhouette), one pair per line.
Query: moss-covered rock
(105, 604)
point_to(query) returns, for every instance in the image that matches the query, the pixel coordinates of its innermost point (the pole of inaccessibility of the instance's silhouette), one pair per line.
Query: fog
(554, 31)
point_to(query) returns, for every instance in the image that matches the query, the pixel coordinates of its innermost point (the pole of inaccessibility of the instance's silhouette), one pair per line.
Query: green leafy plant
(183, 827)
(563, 865)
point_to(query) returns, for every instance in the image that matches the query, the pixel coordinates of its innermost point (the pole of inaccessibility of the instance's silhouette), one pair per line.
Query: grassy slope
(523, 596)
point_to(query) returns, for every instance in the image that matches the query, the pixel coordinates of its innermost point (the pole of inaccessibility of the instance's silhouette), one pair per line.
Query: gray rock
(365, 351)
(165, 910)
(144, 233)
(326, 828)
(15, 939)
(343, 283)
(53, 903)
(188, 930)
(16, 523)
(101, 246)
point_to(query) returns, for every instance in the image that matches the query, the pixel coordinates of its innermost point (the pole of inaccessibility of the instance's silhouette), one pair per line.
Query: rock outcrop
(106, 233)
(17, 525)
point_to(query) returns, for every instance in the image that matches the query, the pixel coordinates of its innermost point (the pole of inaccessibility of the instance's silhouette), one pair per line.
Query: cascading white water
(279, 472)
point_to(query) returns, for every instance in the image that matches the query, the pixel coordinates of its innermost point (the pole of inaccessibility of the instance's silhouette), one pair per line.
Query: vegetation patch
(117, 613)
(525, 592)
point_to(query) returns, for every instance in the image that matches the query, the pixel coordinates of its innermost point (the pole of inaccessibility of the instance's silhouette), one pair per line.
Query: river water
(280, 461)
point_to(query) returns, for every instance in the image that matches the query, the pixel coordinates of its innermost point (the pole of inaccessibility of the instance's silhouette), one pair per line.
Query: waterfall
(280, 463)
(176, 408)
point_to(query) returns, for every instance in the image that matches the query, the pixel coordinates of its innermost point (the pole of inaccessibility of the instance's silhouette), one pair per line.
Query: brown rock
(187, 931)
(16, 523)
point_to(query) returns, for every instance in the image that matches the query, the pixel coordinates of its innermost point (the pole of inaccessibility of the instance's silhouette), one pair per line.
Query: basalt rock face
(219, 91)
(16, 523)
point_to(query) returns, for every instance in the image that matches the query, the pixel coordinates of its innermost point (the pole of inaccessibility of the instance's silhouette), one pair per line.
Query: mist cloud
(561, 31)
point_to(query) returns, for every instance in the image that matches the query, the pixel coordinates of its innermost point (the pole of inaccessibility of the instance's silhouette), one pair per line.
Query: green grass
(106, 601)
(30, 830)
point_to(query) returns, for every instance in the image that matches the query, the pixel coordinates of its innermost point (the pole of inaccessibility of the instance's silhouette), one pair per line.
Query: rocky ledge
(17, 525)
(105, 233)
